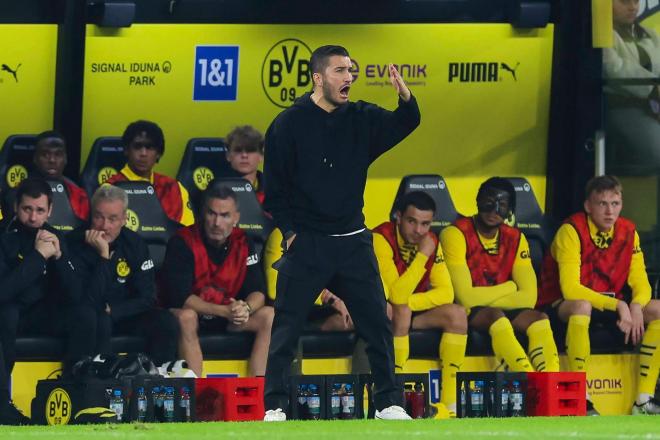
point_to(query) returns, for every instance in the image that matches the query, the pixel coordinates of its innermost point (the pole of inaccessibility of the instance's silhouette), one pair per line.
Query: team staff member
(212, 280)
(317, 155)
(329, 312)
(49, 160)
(245, 152)
(493, 277)
(37, 277)
(113, 264)
(594, 258)
(420, 291)
(144, 145)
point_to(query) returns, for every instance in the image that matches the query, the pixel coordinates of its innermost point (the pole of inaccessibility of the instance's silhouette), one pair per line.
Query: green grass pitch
(537, 428)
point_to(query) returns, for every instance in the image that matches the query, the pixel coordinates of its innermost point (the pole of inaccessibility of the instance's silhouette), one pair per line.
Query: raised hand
(97, 240)
(401, 88)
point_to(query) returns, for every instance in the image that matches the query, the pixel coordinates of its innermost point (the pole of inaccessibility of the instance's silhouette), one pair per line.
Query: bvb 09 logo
(58, 407)
(285, 74)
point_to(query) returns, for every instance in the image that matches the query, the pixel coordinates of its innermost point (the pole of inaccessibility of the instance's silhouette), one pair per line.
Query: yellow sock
(649, 359)
(401, 352)
(452, 354)
(507, 347)
(542, 350)
(578, 346)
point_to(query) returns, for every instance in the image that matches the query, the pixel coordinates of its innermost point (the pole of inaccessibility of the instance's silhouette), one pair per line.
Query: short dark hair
(34, 188)
(152, 130)
(417, 199)
(319, 59)
(54, 139)
(502, 184)
(599, 184)
(218, 189)
(245, 136)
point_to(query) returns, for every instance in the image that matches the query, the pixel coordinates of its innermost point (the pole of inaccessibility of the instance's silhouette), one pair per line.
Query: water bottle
(463, 401)
(418, 402)
(314, 402)
(407, 397)
(141, 405)
(335, 401)
(477, 399)
(158, 404)
(168, 404)
(505, 400)
(490, 409)
(516, 398)
(117, 404)
(348, 402)
(184, 404)
(303, 407)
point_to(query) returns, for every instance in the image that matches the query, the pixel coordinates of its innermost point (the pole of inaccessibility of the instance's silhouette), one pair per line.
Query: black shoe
(591, 410)
(10, 415)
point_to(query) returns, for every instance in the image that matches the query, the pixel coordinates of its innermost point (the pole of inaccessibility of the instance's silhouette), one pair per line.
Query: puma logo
(506, 67)
(6, 68)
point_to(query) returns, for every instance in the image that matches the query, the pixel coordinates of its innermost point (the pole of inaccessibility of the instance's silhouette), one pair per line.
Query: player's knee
(401, 317)
(492, 314)
(456, 318)
(535, 315)
(580, 307)
(264, 317)
(188, 320)
(652, 310)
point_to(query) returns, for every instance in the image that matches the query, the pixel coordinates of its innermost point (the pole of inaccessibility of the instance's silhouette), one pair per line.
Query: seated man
(245, 152)
(144, 145)
(212, 280)
(50, 158)
(493, 277)
(113, 264)
(34, 270)
(330, 312)
(594, 258)
(414, 272)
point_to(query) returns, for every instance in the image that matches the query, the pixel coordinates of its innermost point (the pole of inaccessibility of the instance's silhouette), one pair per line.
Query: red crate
(556, 394)
(236, 399)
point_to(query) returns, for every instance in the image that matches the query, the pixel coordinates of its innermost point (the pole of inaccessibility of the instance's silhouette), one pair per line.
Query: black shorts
(510, 314)
(212, 324)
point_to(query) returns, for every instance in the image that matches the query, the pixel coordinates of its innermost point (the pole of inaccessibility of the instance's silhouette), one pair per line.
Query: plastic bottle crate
(497, 385)
(556, 394)
(236, 399)
(341, 381)
(298, 411)
(401, 380)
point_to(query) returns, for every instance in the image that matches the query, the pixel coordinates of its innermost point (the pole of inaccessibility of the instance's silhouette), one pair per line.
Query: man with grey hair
(114, 263)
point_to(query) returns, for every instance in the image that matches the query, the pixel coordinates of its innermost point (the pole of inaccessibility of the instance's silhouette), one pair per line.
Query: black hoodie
(316, 162)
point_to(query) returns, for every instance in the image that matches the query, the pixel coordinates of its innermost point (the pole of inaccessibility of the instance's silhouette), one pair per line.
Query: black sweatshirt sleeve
(279, 165)
(177, 273)
(141, 284)
(388, 128)
(16, 280)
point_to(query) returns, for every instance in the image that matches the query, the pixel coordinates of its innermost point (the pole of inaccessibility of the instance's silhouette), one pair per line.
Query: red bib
(602, 270)
(487, 269)
(217, 283)
(167, 191)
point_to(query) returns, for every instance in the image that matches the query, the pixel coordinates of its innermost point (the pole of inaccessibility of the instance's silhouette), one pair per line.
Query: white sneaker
(651, 406)
(275, 415)
(393, 413)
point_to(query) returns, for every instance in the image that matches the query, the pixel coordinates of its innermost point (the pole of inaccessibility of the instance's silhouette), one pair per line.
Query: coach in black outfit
(114, 264)
(37, 278)
(317, 155)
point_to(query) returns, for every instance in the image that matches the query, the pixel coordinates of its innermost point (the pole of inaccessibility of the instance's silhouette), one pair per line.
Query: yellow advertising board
(483, 90)
(27, 78)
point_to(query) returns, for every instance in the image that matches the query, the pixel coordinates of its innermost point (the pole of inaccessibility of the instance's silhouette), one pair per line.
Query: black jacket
(316, 162)
(125, 281)
(26, 277)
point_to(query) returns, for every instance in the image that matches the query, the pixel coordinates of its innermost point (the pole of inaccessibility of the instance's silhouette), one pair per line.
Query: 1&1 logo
(285, 74)
(216, 73)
